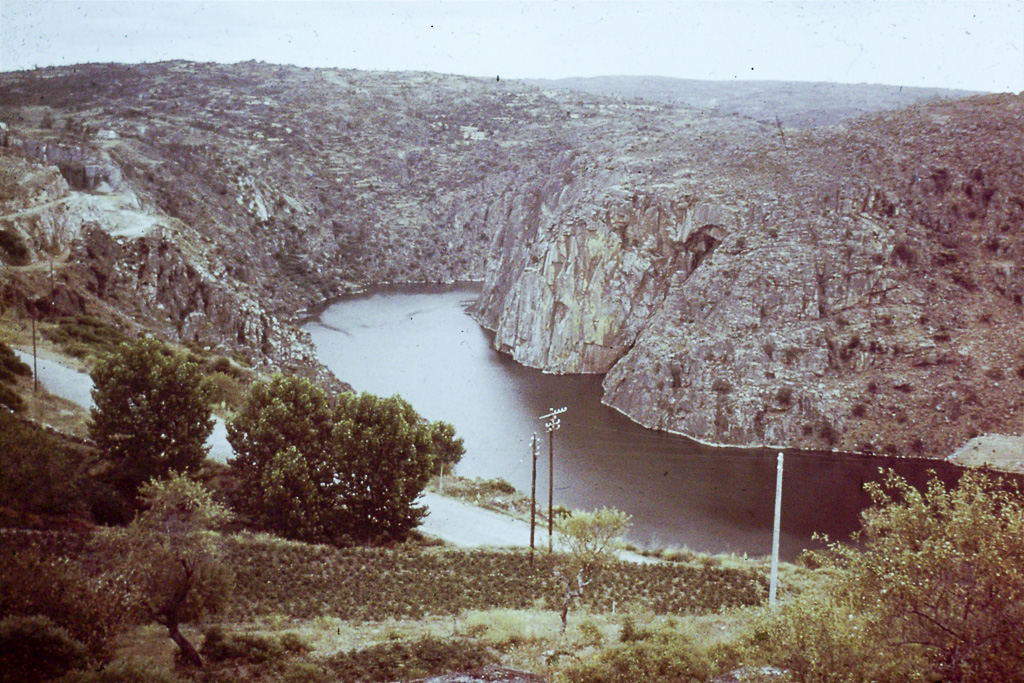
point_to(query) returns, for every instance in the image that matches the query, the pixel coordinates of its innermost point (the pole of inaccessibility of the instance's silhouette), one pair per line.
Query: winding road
(447, 519)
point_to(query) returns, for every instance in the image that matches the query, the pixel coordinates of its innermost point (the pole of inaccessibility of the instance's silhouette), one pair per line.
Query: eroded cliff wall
(856, 287)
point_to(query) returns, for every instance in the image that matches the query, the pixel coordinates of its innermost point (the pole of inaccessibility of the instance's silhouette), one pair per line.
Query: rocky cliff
(856, 286)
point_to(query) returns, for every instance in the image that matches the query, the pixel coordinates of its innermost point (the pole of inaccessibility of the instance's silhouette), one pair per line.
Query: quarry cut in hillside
(857, 286)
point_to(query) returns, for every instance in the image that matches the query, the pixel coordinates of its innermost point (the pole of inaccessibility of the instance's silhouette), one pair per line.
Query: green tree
(587, 539)
(283, 443)
(152, 414)
(448, 449)
(171, 558)
(386, 452)
(321, 471)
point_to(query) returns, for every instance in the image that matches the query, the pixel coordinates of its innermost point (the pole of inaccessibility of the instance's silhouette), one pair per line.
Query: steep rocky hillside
(856, 287)
(216, 203)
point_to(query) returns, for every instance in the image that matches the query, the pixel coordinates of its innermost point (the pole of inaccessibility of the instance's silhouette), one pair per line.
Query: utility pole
(533, 496)
(552, 424)
(774, 581)
(35, 361)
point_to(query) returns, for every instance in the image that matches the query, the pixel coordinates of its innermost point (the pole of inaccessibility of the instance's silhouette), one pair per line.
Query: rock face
(82, 170)
(857, 286)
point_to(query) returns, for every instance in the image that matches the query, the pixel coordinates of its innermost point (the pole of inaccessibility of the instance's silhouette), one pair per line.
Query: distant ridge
(795, 104)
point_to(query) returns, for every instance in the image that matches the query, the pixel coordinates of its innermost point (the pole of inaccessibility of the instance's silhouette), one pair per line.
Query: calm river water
(418, 341)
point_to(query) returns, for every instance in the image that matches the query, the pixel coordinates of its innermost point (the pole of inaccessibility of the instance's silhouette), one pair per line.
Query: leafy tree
(282, 438)
(172, 560)
(287, 497)
(321, 471)
(448, 449)
(152, 414)
(587, 538)
(386, 452)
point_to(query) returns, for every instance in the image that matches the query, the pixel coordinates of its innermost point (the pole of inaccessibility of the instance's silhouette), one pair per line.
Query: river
(419, 342)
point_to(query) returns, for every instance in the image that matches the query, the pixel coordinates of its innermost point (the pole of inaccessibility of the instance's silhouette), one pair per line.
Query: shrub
(92, 607)
(252, 648)
(124, 671)
(505, 627)
(995, 374)
(591, 633)
(82, 336)
(33, 648)
(905, 253)
(294, 643)
(629, 633)
(38, 472)
(12, 367)
(667, 657)
(10, 399)
(404, 660)
(304, 671)
(784, 396)
(933, 590)
(943, 570)
(821, 639)
(13, 249)
(224, 389)
(722, 386)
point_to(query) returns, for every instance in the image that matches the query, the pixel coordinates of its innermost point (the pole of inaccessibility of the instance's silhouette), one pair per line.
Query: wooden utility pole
(35, 361)
(533, 496)
(774, 580)
(552, 424)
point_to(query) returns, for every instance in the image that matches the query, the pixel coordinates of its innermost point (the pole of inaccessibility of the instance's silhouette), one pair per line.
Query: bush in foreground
(405, 660)
(34, 648)
(934, 588)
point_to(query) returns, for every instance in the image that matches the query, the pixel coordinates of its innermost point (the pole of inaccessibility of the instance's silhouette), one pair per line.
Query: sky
(970, 45)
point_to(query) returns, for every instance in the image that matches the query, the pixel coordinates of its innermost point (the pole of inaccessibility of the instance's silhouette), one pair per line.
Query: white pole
(774, 582)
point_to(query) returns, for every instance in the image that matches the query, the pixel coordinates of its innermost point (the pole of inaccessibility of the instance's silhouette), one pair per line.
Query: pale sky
(973, 45)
